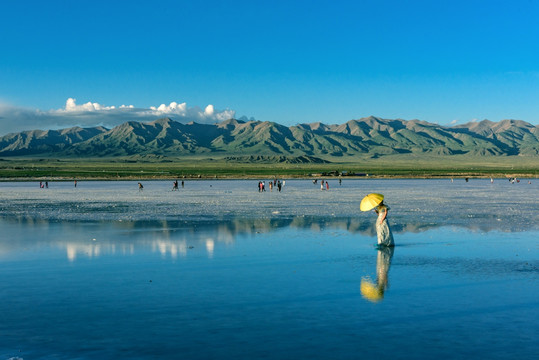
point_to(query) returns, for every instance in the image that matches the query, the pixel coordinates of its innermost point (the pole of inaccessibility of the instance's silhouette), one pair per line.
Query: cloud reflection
(77, 249)
(172, 239)
(210, 247)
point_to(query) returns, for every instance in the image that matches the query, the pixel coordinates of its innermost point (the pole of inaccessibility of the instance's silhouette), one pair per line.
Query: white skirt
(385, 237)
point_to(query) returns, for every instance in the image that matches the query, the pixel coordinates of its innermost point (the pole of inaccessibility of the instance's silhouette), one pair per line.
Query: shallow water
(217, 270)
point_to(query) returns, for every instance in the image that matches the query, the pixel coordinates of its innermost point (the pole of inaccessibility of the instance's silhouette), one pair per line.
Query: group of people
(324, 184)
(512, 180)
(274, 183)
(175, 185)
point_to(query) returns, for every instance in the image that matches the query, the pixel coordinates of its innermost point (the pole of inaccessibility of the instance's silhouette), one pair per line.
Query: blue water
(279, 286)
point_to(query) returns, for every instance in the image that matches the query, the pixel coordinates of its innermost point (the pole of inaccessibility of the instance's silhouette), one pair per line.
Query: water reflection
(227, 228)
(374, 291)
(172, 239)
(210, 246)
(94, 249)
(167, 247)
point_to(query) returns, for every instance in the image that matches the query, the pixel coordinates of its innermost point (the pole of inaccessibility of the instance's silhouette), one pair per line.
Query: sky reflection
(275, 288)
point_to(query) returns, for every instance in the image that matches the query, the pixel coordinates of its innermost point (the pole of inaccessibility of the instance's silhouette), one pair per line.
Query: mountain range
(238, 140)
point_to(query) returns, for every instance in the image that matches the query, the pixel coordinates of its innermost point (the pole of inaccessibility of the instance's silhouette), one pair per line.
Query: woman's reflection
(375, 292)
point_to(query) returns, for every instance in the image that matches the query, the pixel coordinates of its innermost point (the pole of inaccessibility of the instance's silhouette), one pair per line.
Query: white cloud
(454, 122)
(14, 119)
(71, 106)
(173, 108)
(209, 110)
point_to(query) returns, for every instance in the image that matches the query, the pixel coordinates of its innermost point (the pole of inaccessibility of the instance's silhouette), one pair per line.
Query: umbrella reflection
(375, 291)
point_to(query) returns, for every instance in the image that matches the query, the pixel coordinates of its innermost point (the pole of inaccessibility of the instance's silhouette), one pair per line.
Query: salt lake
(218, 270)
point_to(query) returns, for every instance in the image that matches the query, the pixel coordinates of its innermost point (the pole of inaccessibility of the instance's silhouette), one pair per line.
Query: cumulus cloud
(14, 119)
(194, 113)
(172, 108)
(454, 122)
(71, 106)
(209, 110)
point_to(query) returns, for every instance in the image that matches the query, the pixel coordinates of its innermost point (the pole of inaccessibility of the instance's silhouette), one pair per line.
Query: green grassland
(205, 167)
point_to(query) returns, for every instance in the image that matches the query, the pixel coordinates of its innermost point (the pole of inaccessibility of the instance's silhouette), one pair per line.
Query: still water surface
(279, 284)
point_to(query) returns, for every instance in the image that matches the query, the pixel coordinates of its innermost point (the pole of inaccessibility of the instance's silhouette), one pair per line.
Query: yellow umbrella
(371, 291)
(371, 201)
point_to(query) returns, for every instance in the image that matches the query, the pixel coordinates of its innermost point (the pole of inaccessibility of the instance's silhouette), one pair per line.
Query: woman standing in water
(385, 237)
(376, 201)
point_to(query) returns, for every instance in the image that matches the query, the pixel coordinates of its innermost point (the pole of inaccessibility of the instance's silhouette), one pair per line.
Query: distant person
(183, 184)
(75, 183)
(41, 185)
(383, 231)
(491, 180)
(271, 185)
(340, 181)
(47, 184)
(175, 186)
(140, 187)
(327, 185)
(466, 179)
(279, 185)
(322, 185)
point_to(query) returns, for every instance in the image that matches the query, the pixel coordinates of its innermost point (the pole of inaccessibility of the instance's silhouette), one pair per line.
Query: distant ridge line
(308, 142)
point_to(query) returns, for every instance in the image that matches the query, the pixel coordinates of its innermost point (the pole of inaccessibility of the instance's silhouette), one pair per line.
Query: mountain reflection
(175, 239)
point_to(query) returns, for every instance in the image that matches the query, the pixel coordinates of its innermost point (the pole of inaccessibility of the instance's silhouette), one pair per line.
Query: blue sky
(284, 61)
